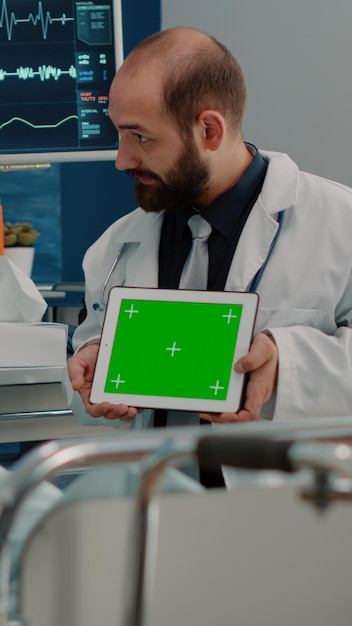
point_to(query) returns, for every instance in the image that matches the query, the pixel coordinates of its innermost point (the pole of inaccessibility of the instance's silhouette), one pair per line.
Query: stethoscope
(253, 287)
(259, 274)
(104, 294)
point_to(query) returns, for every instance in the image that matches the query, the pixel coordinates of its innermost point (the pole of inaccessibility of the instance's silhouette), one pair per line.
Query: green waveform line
(20, 119)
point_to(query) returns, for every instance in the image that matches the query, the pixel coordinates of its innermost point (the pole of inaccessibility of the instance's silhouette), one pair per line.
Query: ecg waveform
(9, 21)
(44, 72)
(38, 126)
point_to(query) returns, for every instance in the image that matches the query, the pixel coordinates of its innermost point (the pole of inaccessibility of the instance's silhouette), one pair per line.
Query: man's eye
(142, 138)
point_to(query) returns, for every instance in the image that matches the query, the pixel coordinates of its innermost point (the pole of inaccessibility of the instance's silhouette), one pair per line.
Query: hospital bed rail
(326, 454)
(158, 446)
(49, 459)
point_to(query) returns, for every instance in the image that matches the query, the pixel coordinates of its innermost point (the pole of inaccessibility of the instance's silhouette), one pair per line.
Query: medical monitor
(57, 61)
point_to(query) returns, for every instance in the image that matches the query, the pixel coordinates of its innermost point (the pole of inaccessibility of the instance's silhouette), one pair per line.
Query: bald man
(177, 103)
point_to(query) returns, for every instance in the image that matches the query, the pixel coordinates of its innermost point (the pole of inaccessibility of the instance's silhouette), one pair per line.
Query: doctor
(177, 103)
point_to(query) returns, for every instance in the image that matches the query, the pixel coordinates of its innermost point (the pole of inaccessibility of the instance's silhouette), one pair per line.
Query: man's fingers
(77, 370)
(262, 350)
(77, 381)
(81, 370)
(81, 367)
(248, 413)
(229, 418)
(262, 364)
(255, 398)
(107, 410)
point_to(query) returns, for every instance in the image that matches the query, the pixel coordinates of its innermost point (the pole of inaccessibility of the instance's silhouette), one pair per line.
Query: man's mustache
(136, 173)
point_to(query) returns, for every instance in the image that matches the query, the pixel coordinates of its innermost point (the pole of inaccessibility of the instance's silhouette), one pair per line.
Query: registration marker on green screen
(159, 346)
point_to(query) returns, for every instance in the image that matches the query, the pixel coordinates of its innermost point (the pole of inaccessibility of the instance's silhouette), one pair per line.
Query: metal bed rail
(19, 415)
(52, 457)
(325, 458)
(158, 448)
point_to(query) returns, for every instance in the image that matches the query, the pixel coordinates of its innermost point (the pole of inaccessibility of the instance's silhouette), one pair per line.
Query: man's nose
(125, 158)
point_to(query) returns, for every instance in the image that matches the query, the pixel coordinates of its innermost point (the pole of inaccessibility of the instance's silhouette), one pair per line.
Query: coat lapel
(252, 249)
(278, 194)
(141, 247)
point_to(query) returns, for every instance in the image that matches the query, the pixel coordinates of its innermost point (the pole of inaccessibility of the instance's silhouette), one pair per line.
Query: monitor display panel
(57, 61)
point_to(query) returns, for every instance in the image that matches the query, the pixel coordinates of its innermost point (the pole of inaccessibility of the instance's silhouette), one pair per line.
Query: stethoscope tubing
(253, 287)
(259, 274)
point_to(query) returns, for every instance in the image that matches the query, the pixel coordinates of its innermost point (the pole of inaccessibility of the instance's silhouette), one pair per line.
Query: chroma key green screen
(179, 349)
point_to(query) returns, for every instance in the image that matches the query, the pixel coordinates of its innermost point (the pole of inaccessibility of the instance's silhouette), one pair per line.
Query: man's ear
(212, 126)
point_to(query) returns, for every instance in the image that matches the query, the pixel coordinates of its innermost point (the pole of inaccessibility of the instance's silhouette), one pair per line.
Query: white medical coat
(305, 291)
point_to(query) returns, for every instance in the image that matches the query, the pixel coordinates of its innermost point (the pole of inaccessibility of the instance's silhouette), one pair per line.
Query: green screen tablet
(173, 349)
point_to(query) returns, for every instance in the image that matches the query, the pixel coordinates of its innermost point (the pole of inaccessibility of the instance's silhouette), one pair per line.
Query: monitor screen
(57, 61)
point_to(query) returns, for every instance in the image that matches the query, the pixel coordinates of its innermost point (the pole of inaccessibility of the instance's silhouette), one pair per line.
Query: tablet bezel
(249, 302)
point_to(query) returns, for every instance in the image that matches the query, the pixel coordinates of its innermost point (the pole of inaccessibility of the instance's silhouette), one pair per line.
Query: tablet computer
(173, 349)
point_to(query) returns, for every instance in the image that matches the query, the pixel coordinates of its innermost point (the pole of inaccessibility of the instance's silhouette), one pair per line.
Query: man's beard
(185, 183)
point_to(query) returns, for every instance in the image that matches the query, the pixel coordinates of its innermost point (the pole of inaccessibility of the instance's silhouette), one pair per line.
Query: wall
(93, 195)
(296, 57)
